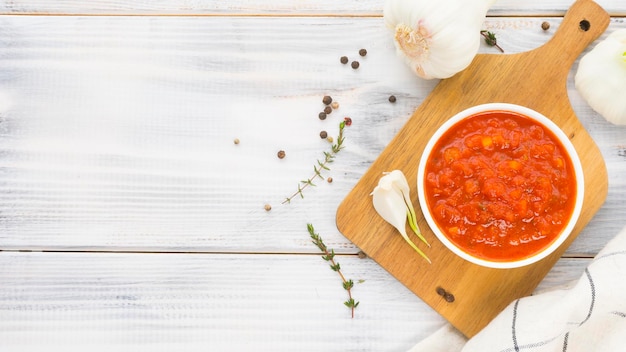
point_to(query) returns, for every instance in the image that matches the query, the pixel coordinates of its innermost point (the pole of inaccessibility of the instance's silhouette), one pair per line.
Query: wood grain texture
(273, 8)
(116, 135)
(119, 131)
(166, 302)
(116, 132)
(529, 79)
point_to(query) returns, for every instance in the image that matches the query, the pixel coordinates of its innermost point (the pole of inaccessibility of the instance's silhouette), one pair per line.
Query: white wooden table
(131, 221)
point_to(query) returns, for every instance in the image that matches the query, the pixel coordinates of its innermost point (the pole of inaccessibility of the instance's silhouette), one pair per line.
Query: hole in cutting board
(584, 25)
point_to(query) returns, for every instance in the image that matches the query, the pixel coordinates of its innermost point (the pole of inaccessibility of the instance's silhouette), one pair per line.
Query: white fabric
(589, 316)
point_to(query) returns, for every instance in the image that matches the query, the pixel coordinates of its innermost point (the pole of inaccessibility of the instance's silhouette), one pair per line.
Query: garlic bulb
(601, 77)
(392, 202)
(437, 38)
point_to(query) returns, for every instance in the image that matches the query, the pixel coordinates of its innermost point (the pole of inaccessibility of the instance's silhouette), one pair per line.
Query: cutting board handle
(583, 23)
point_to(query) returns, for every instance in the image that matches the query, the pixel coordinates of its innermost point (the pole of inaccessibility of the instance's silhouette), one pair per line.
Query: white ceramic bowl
(548, 124)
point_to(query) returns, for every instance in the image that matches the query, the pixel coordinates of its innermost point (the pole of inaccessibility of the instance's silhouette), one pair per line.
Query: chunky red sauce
(500, 186)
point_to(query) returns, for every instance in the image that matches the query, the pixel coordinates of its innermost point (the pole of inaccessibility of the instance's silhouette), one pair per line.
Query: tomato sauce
(500, 186)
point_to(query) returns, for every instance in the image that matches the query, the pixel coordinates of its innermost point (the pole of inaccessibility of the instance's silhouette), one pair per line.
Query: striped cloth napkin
(589, 315)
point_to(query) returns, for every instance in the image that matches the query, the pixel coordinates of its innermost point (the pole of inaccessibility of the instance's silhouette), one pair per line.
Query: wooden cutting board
(536, 79)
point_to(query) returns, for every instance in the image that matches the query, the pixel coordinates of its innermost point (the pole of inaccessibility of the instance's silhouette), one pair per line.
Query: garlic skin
(392, 202)
(436, 38)
(601, 77)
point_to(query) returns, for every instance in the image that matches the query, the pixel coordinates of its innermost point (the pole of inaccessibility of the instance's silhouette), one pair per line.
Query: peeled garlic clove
(389, 203)
(601, 77)
(397, 178)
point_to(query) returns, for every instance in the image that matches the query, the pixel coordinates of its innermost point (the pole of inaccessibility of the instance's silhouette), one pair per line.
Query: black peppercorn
(328, 110)
(362, 52)
(392, 98)
(445, 294)
(545, 26)
(344, 60)
(355, 64)
(327, 100)
(448, 297)
(322, 115)
(323, 134)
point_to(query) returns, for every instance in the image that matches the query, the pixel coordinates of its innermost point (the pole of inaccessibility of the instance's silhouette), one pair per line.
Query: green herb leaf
(330, 256)
(490, 39)
(323, 165)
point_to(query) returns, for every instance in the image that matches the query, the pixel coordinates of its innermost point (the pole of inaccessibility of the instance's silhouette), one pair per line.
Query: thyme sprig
(490, 39)
(321, 165)
(329, 256)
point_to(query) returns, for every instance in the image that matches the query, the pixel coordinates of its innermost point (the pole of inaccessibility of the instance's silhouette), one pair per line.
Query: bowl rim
(563, 139)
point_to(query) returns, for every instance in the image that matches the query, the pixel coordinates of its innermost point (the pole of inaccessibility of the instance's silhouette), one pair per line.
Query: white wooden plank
(549, 8)
(166, 302)
(274, 7)
(565, 273)
(188, 302)
(117, 132)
